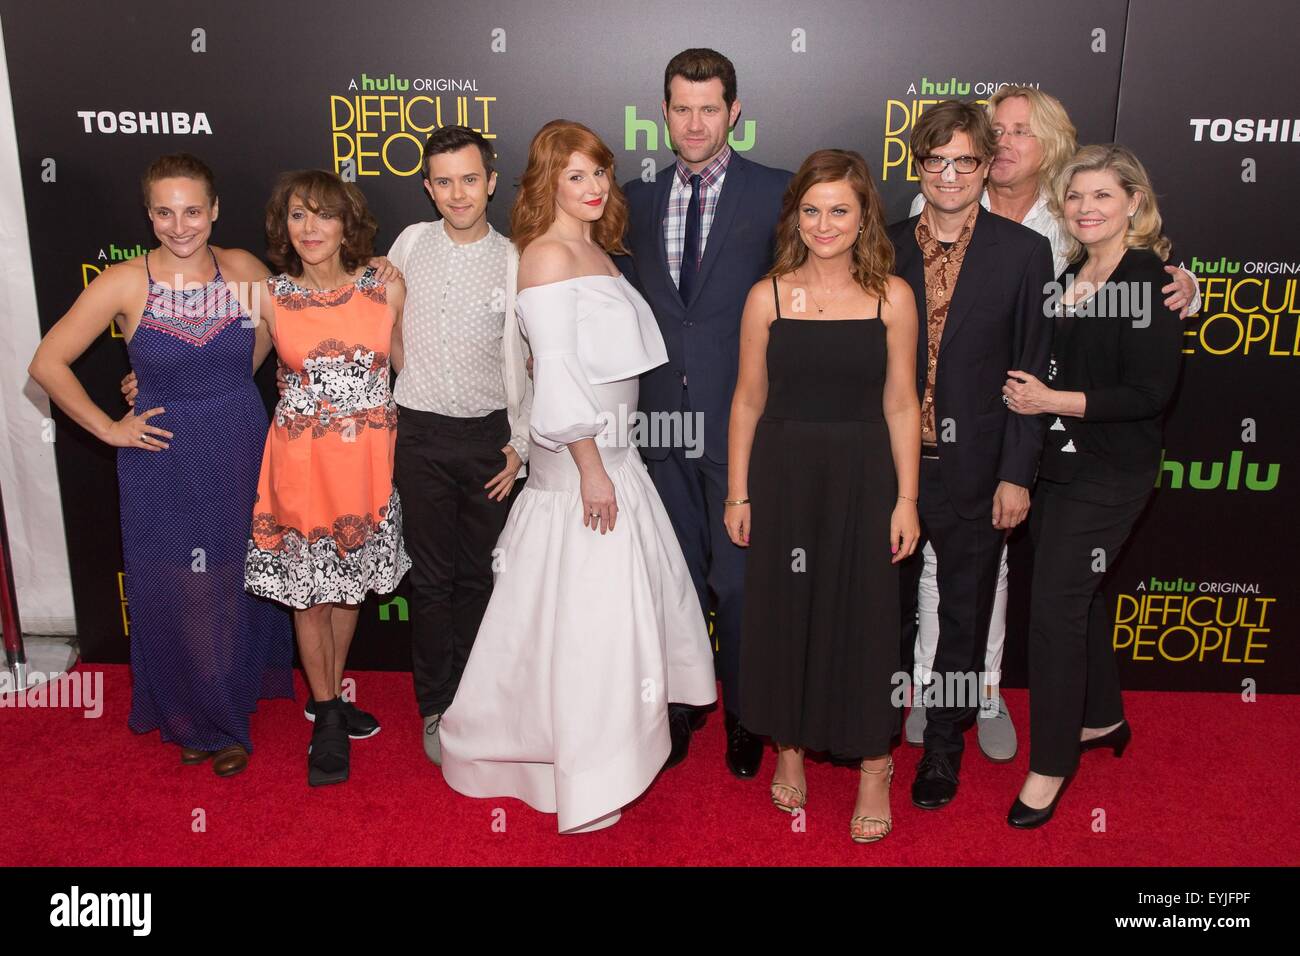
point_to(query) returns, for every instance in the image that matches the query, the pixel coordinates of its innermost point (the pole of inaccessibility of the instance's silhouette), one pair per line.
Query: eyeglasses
(937, 164)
(1016, 132)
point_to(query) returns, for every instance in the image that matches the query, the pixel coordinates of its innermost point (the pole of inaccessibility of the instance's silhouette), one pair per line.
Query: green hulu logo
(1211, 267)
(633, 126)
(1194, 473)
(950, 87)
(384, 84)
(122, 253)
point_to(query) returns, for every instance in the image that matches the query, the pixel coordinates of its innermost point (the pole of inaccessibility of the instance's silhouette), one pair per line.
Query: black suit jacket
(997, 322)
(1127, 363)
(702, 336)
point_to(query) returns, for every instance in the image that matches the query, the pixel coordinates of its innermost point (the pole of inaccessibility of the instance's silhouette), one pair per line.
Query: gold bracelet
(735, 501)
(905, 498)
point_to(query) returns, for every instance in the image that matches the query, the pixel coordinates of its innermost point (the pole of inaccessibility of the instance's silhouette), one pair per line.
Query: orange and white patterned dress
(327, 522)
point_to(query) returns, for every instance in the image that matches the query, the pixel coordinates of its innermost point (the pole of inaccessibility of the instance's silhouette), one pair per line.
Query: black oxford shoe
(936, 782)
(744, 750)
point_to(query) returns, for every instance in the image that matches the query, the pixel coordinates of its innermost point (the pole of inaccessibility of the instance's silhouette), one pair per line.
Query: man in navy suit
(701, 235)
(983, 282)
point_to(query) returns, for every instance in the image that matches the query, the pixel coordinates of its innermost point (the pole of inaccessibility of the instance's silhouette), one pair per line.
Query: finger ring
(595, 514)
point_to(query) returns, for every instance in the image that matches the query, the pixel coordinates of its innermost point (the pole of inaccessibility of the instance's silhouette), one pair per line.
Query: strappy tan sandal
(858, 820)
(790, 788)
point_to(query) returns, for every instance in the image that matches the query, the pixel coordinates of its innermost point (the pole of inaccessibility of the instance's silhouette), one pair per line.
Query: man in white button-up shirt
(463, 399)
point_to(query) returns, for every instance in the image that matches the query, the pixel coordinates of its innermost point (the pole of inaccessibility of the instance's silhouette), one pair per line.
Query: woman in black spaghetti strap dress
(825, 440)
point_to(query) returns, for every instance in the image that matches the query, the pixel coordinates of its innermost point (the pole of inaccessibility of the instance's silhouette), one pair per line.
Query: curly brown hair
(320, 191)
(549, 153)
(873, 253)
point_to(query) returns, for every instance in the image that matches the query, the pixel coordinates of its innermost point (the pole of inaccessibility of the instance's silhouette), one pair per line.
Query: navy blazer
(996, 322)
(703, 335)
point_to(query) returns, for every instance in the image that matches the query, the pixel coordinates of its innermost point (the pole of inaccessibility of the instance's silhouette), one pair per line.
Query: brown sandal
(858, 820)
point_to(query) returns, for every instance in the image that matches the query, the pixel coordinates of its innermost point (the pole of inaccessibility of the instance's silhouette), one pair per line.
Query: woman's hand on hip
(134, 431)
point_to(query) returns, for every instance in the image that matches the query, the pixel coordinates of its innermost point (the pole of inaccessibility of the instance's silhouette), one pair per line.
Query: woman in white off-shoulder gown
(590, 632)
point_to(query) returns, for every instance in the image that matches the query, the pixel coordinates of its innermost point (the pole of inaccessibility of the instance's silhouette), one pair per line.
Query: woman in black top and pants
(1116, 357)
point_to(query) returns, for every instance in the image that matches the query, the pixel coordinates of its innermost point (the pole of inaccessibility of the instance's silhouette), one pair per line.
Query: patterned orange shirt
(942, 266)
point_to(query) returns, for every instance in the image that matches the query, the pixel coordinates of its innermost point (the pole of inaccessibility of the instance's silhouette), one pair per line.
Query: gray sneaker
(996, 732)
(914, 726)
(432, 745)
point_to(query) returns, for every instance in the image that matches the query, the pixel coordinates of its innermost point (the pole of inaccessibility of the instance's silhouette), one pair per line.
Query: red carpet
(1208, 781)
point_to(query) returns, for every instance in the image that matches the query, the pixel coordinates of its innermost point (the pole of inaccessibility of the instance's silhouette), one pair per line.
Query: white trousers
(927, 631)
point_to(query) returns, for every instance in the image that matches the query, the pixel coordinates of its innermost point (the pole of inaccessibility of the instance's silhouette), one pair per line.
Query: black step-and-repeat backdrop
(1204, 598)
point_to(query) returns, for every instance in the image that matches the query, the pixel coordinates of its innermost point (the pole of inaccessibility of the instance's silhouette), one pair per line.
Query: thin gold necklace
(817, 302)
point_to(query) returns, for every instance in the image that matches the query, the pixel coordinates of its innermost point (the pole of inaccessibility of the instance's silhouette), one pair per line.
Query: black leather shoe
(744, 750)
(680, 723)
(936, 782)
(1116, 740)
(1026, 818)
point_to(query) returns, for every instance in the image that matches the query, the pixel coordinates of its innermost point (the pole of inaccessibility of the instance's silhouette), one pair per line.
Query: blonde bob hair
(1145, 223)
(1049, 122)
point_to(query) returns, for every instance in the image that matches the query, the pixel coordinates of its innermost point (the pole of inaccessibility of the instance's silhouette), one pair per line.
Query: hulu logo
(950, 87)
(403, 611)
(1208, 267)
(632, 126)
(386, 84)
(1195, 475)
(121, 254)
(1176, 586)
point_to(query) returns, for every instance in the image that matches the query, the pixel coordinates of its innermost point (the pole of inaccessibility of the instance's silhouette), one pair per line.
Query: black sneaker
(360, 724)
(329, 754)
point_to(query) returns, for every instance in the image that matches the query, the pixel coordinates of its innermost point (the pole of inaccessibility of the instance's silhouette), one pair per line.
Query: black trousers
(968, 551)
(450, 527)
(1073, 675)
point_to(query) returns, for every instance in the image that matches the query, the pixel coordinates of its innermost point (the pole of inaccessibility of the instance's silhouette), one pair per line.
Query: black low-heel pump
(1024, 817)
(1116, 740)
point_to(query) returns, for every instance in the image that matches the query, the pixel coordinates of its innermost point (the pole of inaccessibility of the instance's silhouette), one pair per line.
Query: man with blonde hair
(1035, 140)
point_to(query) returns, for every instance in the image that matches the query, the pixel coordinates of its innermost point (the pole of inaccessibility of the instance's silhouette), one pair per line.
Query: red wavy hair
(548, 156)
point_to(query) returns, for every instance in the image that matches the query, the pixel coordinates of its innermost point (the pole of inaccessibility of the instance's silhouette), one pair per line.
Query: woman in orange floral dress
(327, 522)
